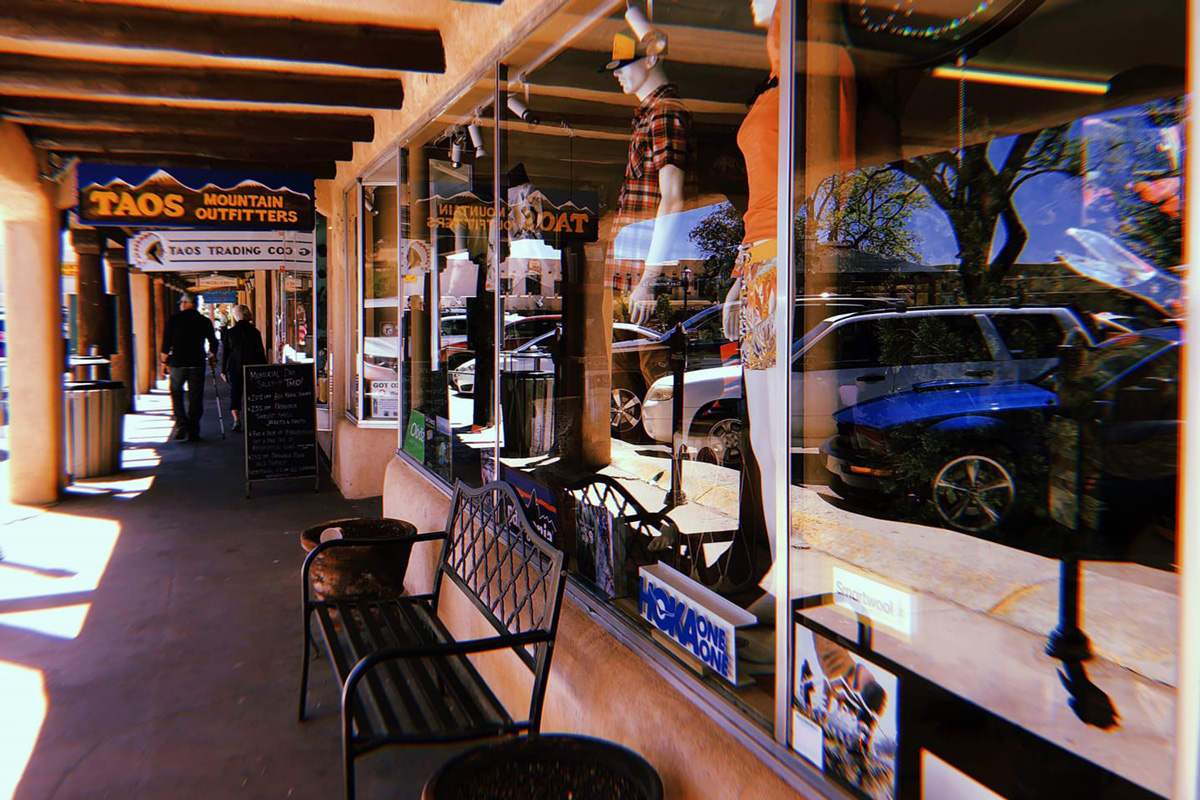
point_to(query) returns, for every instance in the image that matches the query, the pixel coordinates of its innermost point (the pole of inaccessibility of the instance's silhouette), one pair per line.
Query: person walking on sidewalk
(243, 346)
(184, 357)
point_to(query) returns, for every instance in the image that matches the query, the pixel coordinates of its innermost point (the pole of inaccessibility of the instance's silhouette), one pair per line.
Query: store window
(379, 287)
(448, 306)
(984, 584)
(625, 187)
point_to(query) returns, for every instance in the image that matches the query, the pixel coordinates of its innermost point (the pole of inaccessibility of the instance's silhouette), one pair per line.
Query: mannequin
(660, 151)
(749, 312)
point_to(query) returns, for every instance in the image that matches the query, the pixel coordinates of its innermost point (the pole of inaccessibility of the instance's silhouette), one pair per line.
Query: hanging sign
(195, 251)
(123, 195)
(216, 282)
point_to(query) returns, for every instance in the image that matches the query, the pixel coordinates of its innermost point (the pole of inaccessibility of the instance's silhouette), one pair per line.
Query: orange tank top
(758, 139)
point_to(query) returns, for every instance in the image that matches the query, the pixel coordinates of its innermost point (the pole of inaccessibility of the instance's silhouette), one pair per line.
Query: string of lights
(902, 10)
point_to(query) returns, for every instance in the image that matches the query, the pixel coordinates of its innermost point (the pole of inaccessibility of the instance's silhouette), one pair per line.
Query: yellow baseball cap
(625, 50)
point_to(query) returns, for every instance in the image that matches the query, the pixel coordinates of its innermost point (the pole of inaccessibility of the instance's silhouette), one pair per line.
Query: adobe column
(91, 304)
(160, 321)
(123, 358)
(142, 309)
(30, 260)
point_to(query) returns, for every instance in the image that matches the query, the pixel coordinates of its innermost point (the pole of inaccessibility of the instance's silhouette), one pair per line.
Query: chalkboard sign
(280, 420)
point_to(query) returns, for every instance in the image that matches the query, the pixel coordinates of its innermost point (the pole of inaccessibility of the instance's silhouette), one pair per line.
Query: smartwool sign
(194, 198)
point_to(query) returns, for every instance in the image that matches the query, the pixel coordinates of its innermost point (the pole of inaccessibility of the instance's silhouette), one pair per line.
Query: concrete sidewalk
(150, 634)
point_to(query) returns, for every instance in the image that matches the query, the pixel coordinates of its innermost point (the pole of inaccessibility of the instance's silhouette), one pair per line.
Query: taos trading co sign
(175, 251)
(148, 196)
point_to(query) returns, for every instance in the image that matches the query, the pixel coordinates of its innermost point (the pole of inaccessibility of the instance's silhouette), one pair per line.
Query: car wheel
(974, 493)
(725, 441)
(626, 412)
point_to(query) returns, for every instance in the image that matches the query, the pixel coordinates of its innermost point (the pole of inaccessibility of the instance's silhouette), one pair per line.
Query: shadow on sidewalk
(150, 632)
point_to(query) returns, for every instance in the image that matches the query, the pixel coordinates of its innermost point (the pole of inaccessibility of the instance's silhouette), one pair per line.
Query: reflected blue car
(980, 453)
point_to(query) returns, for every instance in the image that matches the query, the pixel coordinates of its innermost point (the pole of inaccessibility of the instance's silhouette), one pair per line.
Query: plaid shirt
(661, 136)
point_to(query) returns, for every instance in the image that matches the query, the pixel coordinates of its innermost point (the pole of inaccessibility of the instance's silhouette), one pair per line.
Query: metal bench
(404, 678)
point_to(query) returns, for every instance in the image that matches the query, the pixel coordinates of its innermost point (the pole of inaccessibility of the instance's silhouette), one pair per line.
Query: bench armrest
(332, 543)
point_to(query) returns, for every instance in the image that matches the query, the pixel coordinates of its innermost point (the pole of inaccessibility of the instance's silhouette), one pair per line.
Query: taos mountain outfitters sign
(166, 251)
(194, 198)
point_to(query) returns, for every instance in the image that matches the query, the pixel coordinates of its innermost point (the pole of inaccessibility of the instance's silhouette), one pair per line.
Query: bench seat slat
(463, 688)
(354, 622)
(402, 678)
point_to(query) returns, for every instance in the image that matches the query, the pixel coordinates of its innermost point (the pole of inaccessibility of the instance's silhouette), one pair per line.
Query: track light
(651, 37)
(521, 110)
(476, 139)
(456, 148)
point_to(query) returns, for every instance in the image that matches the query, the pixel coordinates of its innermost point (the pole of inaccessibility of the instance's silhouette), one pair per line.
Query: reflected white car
(849, 358)
(539, 354)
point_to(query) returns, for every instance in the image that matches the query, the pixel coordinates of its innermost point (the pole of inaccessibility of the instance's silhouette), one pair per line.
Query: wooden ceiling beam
(39, 75)
(319, 170)
(50, 112)
(232, 147)
(239, 35)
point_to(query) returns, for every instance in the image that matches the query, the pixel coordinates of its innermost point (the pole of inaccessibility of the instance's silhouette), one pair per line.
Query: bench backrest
(512, 575)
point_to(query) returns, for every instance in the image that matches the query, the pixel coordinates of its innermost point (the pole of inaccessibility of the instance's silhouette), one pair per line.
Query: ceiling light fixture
(651, 37)
(521, 110)
(476, 139)
(1020, 80)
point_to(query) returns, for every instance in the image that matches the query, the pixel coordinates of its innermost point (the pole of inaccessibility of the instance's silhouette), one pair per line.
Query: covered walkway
(150, 633)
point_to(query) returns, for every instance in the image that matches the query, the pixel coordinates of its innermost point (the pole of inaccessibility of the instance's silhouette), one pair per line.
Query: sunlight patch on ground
(54, 554)
(140, 458)
(64, 622)
(23, 707)
(121, 489)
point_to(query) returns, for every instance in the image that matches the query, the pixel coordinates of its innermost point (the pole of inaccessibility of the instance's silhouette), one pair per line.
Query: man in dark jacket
(184, 357)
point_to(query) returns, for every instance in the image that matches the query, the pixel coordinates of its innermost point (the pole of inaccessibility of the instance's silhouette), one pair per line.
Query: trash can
(527, 409)
(94, 411)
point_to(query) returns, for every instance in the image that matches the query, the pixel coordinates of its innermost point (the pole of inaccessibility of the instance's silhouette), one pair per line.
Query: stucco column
(142, 314)
(583, 405)
(161, 304)
(123, 358)
(91, 303)
(33, 292)
(262, 311)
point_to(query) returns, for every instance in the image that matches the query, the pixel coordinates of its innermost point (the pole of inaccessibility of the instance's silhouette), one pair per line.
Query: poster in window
(601, 549)
(844, 712)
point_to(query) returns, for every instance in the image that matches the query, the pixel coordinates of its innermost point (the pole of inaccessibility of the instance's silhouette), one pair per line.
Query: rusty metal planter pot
(547, 767)
(360, 573)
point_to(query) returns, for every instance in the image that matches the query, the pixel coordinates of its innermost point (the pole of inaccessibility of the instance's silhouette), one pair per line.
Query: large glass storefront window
(448, 300)
(983, 539)
(929, 546)
(623, 168)
(380, 357)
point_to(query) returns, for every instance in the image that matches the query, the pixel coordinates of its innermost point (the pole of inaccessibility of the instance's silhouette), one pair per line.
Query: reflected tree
(869, 210)
(977, 196)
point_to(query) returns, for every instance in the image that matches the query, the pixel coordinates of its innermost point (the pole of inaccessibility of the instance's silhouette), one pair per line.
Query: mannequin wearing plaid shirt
(660, 156)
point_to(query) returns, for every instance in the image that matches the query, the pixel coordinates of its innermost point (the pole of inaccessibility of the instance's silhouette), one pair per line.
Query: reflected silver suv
(851, 357)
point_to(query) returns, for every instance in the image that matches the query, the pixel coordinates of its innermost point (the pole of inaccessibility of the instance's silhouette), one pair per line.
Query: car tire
(976, 492)
(726, 440)
(626, 413)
